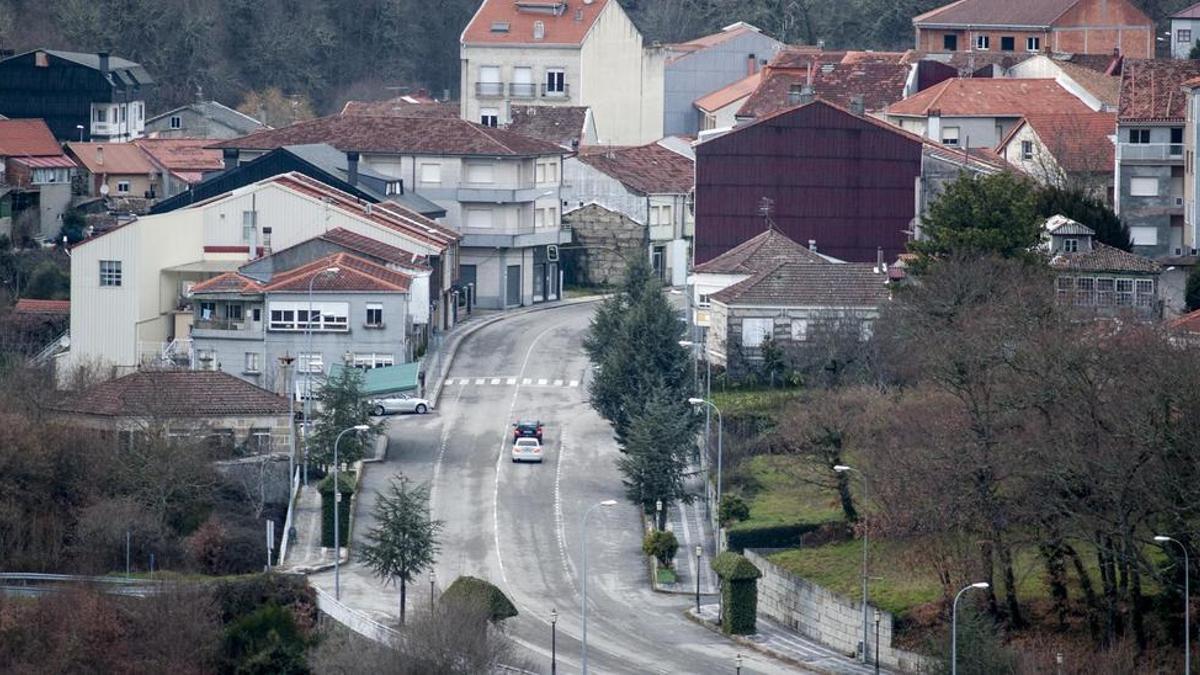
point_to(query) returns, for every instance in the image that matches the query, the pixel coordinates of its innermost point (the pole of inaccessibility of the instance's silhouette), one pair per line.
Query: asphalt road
(518, 525)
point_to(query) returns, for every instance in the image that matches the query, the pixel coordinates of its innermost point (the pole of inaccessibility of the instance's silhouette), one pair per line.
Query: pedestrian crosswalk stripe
(495, 380)
(527, 381)
(511, 380)
(478, 380)
(542, 382)
(558, 383)
(574, 383)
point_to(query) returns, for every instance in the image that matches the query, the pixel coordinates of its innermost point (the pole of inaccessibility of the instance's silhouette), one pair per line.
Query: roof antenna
(765, 206)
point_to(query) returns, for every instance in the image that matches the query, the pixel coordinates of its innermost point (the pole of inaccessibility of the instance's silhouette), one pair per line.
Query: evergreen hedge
(741, 538)
(475, 592)
(739, 593)
(325, 487)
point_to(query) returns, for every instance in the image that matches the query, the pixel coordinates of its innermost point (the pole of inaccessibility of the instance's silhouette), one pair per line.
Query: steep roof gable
(792, 284)
(27, 138)
(512, 22)
(646, 169)
(175, 393)
(1152, 89)
(1030, 13)
(759, 253)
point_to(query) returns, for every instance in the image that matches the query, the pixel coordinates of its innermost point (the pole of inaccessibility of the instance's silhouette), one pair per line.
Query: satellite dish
(104, 189)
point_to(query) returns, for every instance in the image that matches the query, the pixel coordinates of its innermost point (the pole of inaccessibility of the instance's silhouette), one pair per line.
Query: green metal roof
(386, 380)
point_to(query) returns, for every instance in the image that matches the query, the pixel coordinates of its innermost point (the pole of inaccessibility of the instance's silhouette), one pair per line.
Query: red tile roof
(561, 125)
(879, 84)
(1104, 258)
(990, 97)
(1192, 12)
(1152, 89)
(30, 306)
(565, 23)
(354, 275)
(397, 135)
(175, 393)
(27, 138)
(724, 96)
(1107, 88)
(1041, 13)
(1079, 143)
(1188, 323)
(794, 284)
(761, 252)
(374, 248)
(229, 282)
(402, 106)
(111, 158)
(182, 154)
(46, 162)
(646, 169)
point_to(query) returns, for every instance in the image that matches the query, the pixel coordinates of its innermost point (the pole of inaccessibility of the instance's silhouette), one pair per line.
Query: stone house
(1099, 279)
(202, 119)
(804, 311)
(604, 241)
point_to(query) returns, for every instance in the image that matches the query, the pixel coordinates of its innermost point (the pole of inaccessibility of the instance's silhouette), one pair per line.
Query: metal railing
(565, 92)
(1150, 151)
(221, 324)
(287, 522)
(56, 345)
(489, 89)
(355, 620)
(522, 90)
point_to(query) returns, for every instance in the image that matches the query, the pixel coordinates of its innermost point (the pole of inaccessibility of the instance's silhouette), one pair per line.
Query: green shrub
(768, 536)
(346, 487)
(739, 593)
(661, 544)
(266, 641)
(733, 508)
(474, 592)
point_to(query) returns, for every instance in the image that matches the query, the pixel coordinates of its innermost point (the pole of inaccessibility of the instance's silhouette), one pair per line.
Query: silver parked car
(399, 403)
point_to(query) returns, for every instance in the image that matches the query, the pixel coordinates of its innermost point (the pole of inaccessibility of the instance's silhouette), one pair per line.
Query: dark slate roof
(561, 125)
(1152, 89)
(1104, 258)
(1063, 226)
(759, 253)
(222, 114)
(331, 160)
(122, 72)
(398, 135)
(793, 284)
(175, 393)
(646, 169)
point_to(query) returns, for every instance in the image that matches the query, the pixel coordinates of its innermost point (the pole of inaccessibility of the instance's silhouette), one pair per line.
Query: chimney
(103, 62)
(812, 245)
(857, 106)
(99, 155)
(266, 242)
(751, 65)
(806, 94)
(229, 158)
(879, 266)
(352, 168)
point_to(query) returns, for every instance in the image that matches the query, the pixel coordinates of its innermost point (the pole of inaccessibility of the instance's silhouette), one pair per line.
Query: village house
(179, 163)
(1034, 26)
(1099, 279)
(572, 127)
(1094, 80)
(1185, 31)
(82, 97)
(116, 171)
(35, 180)
(557, 53)
(1069, 151)
(650, 185)
(500, 190)
(202, 119)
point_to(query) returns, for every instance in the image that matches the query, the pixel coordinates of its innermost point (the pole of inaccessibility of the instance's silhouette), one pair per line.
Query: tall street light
(842, 468)
(707, 385)
(954, 625)
(553, 641)
(720, 440)
(699, 552)
(308, 368)
(583, 535)
(337, 497)
(1187, 628)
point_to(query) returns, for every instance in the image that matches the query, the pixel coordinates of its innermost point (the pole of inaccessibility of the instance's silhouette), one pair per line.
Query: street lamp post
(80, 128)
(842, 468)
(308, 368)
(553, 641)
(699, 552)
(877, 618)
(285, 363)
(1187, 627)
(337, 497)
(583, 535)
(658, 514)
(720, 440)
(432, 580)
(954, 625)
(738, 663)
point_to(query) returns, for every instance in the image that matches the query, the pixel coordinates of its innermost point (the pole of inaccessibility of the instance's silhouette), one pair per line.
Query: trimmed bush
(661, 544)
(768, 536)
(739, 593)
(346, 487)
(733, 509)
(469, 591)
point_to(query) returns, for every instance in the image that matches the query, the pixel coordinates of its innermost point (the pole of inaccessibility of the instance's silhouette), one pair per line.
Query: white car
(527, 449)
(399, 403)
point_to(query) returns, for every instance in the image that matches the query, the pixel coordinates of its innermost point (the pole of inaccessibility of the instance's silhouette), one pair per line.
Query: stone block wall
(602, 242)
(821, 615)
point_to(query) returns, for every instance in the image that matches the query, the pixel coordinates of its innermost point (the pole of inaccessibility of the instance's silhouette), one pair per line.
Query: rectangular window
(540, 173)
(1125, 292)
(1033, 44)
(431, 173)
(206, 359)
(480, 173)
(703, 300)
(256, 315)
(1064, 287)
(1139, 136)
(207, 311)
(552, 171)
(950, 136)
(522, 83)
(368, 361)
(326, 316)
(1105, 292)
(375, 314)
(101, 114)
(1184, 35)
(124, 113)
(1143, 236)
(1085, 291)
(799, 330)
(110, 272)
(1145, 292)
(1070, 246)
(865, 330)
(233, 312)
(755, 331)
(983, 42)
(249, 220)
(489, 117)
(1143, 187)
(1176, 148)
(539, 30)
(310, 363)
(489, 81)
(252, 363)
(1008, 43)
(950, 43)
(556, 82)
(479, 218)
(1027, 150)
(539, 218)
(122, 187)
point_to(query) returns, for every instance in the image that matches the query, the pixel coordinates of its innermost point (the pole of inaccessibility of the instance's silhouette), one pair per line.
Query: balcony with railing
(563, 92)
(489, 89)
(1150, 152)
(227, 328)
(522, 90)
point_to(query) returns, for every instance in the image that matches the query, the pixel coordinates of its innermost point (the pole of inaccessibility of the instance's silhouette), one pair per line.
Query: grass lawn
(742, 401)
(666, 575)
(583, 291)
(778, 495)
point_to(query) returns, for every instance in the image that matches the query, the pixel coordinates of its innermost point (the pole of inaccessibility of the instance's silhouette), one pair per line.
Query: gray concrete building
(202, 119)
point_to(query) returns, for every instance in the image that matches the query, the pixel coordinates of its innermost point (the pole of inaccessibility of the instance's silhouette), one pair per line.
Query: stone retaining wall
(821, 615)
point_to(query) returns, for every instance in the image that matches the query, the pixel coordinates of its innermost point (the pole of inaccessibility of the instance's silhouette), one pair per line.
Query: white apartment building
(563, 53)
(132, 285)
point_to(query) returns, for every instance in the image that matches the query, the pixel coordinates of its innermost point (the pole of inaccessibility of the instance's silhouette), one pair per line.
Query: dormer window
(1070, 246)
(539, 30)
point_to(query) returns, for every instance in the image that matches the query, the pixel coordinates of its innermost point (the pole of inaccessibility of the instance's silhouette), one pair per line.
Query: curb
(470, 330)
(750, 644)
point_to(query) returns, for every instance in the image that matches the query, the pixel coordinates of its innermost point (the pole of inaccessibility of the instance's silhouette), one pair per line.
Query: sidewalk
(690, 526)
(306, 555)
(775, 640)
